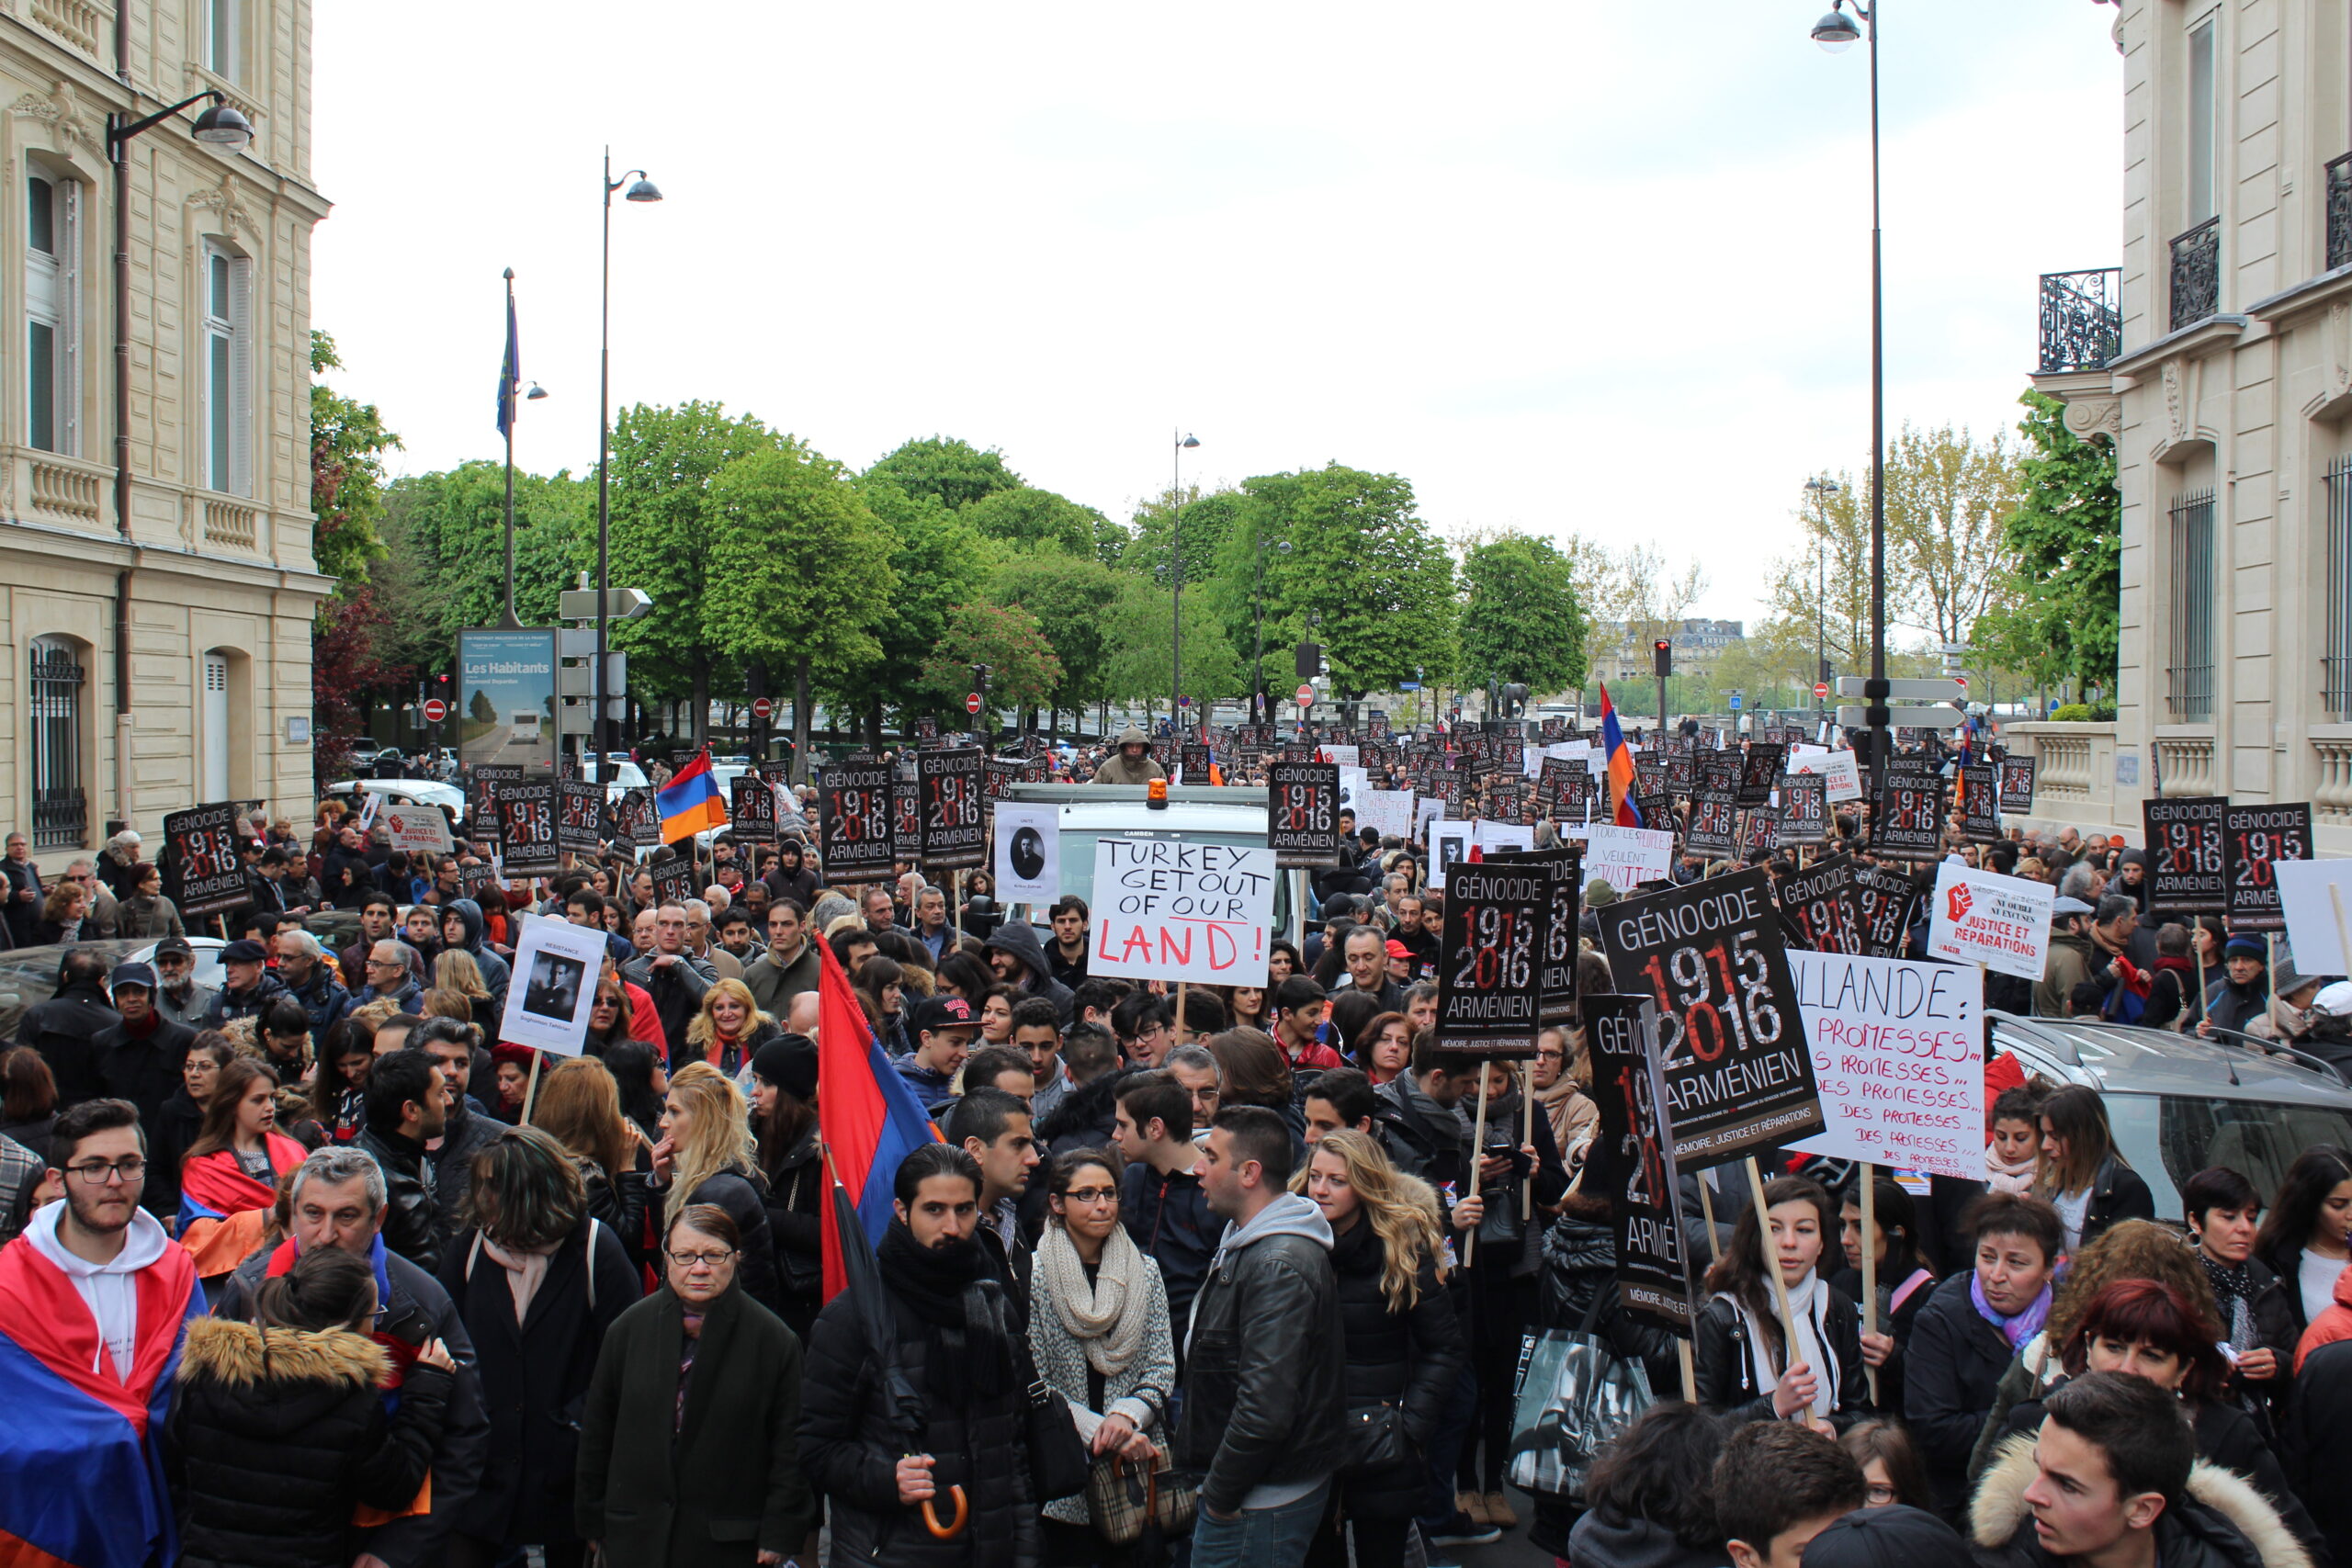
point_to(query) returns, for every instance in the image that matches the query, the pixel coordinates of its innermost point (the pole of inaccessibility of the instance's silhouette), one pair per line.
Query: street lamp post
(509, 383)
(643, 190)
(1835, 33)
(1176, 576)
(1822, 488)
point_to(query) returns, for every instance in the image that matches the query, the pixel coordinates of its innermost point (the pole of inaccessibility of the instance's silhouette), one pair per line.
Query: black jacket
(1408, 1358)
(1422, 1137)
(1579, 1274)
(229, 1005)
(2315, 1443)
(2118, 1193)
(1168, 1218)
(1262, 1401)
(708, 1487)
(277, 1437)
(412, 1222)
(168, 1141)
(1019, 939)
(850, 1444)
(467, 1134)
(535, 1376)
(1719, 1358)
(1086, 1118)
(621, 1199)
(796, 1192)
(1954, 1359)
(676, 991)
(65, 1030)
(143, 1068)
(2287, 1265)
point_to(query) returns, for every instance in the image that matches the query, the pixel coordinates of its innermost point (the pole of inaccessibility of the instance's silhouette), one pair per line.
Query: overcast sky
(1576, 266)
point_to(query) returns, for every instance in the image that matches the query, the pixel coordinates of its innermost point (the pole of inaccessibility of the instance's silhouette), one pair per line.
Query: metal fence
(2082, 318)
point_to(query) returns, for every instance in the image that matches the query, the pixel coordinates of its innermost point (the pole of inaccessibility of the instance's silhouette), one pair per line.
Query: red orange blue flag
(1624, 810)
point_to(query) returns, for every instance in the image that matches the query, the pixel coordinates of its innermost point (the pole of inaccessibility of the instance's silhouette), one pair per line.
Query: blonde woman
(708, 1156)
(580, 1107)
(455, 970)
(1404, 1343)
(729, 1031)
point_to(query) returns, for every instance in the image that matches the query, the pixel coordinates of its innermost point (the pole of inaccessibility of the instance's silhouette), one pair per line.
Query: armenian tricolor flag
(690, 802)
(80, 1485)
(867, 1120)
(1623, 809)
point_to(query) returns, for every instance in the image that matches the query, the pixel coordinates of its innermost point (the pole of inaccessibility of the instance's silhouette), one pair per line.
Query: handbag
(1372, 1437)
(1057, 1460)
(1124, 1499)
(1576, 1396)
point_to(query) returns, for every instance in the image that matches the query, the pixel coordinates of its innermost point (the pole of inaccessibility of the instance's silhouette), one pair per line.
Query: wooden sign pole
(1868, 1179)
(1772, 1263)
(1527, 1127)
(1477, 1149)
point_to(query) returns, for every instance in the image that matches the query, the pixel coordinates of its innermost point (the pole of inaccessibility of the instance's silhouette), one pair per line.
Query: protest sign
(1555, 984)
(579, 815)
(1346, 756)
(1909, 819)
(1302, 814)
(202, 874)
(1169, 909)
(1759, 773)
(419, 830)
(1714, 830)
(777, 773)
(1682, 771)
(526, 844)
(482, 798)
(1028, 853)
(1887, 899)
(1426, 810)
(1732, 1054)
(640, 818)
(554, 988)
(1821, 907)
(906, 819)
(1389, 812)
(1491, 836)
(2255, 839)
(1630, 1160)
(1450, 840)
(1981, 917)
(2016, 784)
(1838, 770)
(1759, 828)
(472, 879)
(1899, 1052)
(1980, 804)
(1627, 857)
(673, 879)
(998, 775)
(1490, 952)
(2187, 858)
(954, 835)
(1560, 787)
(853, 812)
(1805, 809)
(2315, 899)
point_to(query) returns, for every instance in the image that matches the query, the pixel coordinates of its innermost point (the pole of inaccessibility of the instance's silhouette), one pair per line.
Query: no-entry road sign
(436, 710)
(972, 702)
(1306, 695)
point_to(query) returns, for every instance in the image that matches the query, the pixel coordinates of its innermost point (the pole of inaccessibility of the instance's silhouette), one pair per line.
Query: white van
(526, 726)
(1223, 815)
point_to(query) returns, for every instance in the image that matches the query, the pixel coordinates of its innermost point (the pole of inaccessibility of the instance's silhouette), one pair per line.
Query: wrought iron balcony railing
(2082, 318)
(2196, 274)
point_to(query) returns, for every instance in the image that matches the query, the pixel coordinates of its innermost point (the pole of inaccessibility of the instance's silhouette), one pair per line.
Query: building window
(52, 315)
(2336, 661)
(221, 19)
(61, 816)
(228, 372)
(2203, 108)
(2188, 672)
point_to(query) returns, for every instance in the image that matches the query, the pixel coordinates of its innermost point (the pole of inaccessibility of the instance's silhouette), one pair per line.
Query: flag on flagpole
(510, 376)
(1624, 811)
(867, 1120)
(690, 802)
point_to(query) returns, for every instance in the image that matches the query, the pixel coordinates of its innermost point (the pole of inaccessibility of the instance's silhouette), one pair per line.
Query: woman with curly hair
(455, 970)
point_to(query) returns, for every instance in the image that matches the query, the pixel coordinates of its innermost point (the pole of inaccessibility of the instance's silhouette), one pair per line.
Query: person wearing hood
(461, 929)
(791, 876)
(2072, 957)
(1019, 960)
(2113, 1478)
(1263, 1412)
(2131, 880)
(1130, 762)
(1649, 1497)
(2243, 993)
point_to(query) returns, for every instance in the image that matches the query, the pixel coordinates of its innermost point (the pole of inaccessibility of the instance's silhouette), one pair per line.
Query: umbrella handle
(951, 1530)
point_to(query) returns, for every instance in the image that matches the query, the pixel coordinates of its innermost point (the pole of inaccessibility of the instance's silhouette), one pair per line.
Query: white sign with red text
(1626, 857)
(1166, 908)
(417, 828)
(1838, 768)
(1898, 1052)
(1981, 916)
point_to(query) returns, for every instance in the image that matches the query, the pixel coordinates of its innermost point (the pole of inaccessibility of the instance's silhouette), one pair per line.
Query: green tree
(449, 534)
(1948, 498)
(1821, 595)
(1142, 650)
(799, 570)
(663, 463)
(2067, 533)
(1073, 598)
(350, 647)
(954, 473)
(1030, 519)
(481, 710)
(940, 561)
(1521, 621)
(1208, 520)
(1022, 671)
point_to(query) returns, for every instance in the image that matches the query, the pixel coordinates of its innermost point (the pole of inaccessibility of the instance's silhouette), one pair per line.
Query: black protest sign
(1038, 769)
(1732, 1052)
(1447, 787)
(2017, 784)
(526, 841)
(1680, 769)
(1476, 746)
(905, 820)
(1630, 1160)
(1490, 953)
(1909, 821)
(1507, 799)
(1510, 752)
(853, 838)
(580, 816)
(1302, 814)
(926, 728)
(1195, 763)
(1888, 899)
(1805, 809)
(1552, 729)
(2187, 873)
(999, 775)
(1715, 823)
(1784, 735)
(751, 808)
(1821, 909)
(1980, 804)
(1559, 789)
(1653, 773)
(673, 879)
(202, 874)
(1555, 984)
(641, 818)
(1163, 752)
(473, 880)
(954, 830)
(777, 773)
(1760, 830)
(1759, 773)
(481, 800)
(2256, 839)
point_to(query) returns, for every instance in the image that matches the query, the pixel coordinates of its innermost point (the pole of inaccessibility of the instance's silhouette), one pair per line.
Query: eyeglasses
(708, 1259)
(1878, 1496)
(129, 1168)
(1092, 1195)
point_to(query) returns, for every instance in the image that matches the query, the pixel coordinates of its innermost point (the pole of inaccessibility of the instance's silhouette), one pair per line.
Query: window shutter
(241, 375)
(68, 319)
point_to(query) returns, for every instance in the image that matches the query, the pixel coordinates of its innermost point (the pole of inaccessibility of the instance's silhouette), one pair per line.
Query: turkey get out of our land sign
(1166, 908)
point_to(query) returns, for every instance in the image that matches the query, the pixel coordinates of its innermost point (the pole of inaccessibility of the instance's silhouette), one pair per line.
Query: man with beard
(378, 916)
(407, 1109)
(963, 1351)
(93, 1301)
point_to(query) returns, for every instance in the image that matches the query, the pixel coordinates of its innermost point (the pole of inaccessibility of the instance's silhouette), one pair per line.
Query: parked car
(408, 792)
(2179, 1104)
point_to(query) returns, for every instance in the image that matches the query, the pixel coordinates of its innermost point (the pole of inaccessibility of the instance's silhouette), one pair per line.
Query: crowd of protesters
(451, 1303)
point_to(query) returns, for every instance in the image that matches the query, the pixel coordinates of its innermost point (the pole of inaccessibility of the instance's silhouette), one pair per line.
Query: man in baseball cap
(181, 999)
(2072, 957)
(942, 1029)
(140, 1060)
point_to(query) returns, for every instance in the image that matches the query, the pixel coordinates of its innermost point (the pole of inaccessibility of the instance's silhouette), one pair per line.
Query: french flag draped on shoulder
(690, 802)
(1625, 812)
(82, 1482)
(867, 1120)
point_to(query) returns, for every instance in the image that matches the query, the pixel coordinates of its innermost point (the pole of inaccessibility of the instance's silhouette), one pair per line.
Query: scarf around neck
(2015, 1330)
(1809, 1304)
(2233, 1292)
(953, 1292)
(1107, 1316)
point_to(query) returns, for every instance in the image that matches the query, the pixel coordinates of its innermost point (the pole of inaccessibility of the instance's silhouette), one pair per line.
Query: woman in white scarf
(1098, 1328)
(1744, 1368)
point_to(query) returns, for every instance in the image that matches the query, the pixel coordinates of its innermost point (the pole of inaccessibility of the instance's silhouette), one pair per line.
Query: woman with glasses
(708, 1156)
(1099, 1329)
(540, 1282)
(688, 1447)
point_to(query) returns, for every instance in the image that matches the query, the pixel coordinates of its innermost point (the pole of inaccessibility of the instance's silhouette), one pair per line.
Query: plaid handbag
(1125, 1500)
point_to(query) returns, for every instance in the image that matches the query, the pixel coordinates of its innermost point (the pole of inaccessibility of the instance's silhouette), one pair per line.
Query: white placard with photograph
(547, 1002)
(1028, 853)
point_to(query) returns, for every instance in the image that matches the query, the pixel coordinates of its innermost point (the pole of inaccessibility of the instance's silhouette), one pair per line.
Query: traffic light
(1662, 657)
(1309, 661)
(980, 679)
